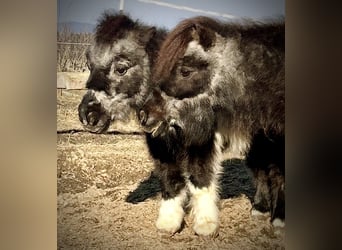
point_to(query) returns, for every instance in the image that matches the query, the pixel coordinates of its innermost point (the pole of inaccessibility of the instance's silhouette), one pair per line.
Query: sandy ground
(108, 197)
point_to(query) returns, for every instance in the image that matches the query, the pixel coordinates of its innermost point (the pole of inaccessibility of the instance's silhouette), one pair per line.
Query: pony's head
(183, 58)
(119, 62)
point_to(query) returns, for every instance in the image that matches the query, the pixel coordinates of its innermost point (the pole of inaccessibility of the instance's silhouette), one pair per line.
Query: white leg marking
(278, 223)
(171, 213)
(205, 210)
(204, 200)
(257, 213)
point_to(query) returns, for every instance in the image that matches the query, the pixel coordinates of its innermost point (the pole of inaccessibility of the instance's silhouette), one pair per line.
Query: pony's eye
(120, 71)
(185, 72)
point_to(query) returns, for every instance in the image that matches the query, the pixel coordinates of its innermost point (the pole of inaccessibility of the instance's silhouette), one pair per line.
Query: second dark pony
(221, 85)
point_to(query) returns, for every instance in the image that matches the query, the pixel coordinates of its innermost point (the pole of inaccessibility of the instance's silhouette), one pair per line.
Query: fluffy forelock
(176, 42)
(112, 26)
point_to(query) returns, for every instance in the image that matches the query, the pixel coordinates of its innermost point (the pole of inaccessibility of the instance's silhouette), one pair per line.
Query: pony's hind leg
(262, 197)
(174, 194)
(277, 186)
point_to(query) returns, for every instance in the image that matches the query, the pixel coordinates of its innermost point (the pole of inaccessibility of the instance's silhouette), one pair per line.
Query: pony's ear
(145, 35)
(194, 33)
(203, 35)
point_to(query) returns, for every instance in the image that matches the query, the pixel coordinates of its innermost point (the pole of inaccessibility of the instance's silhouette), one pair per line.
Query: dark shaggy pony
(218, 85)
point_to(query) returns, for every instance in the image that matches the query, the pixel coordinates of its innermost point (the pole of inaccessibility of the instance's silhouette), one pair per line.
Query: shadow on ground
(235, 180)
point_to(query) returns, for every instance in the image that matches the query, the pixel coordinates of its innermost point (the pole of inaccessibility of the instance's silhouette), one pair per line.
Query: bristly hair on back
(112, 26)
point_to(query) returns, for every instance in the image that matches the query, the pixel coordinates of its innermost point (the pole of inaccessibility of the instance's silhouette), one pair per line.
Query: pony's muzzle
(92, 116)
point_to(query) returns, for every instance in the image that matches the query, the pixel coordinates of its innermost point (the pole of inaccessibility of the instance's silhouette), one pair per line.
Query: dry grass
(98, 173)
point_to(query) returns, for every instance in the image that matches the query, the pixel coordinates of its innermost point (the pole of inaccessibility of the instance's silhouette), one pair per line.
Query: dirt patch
(108, 197)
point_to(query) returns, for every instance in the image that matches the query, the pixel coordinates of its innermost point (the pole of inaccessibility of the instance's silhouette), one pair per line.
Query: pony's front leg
(171, 212)
(204, 190)
(205, 210)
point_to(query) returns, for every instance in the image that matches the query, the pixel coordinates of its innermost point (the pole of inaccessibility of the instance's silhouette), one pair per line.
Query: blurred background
(77, 19)
(82, 15)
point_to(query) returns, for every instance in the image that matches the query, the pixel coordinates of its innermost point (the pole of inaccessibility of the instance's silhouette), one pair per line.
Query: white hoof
(206, 227)
(169, 224)
(171, 215)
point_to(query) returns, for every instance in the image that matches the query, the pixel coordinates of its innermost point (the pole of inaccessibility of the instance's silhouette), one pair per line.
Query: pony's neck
(145, 90)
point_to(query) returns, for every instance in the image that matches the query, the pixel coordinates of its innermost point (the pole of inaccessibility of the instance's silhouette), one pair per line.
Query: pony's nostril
(142, 117)
(82, 115)
(93, 118)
